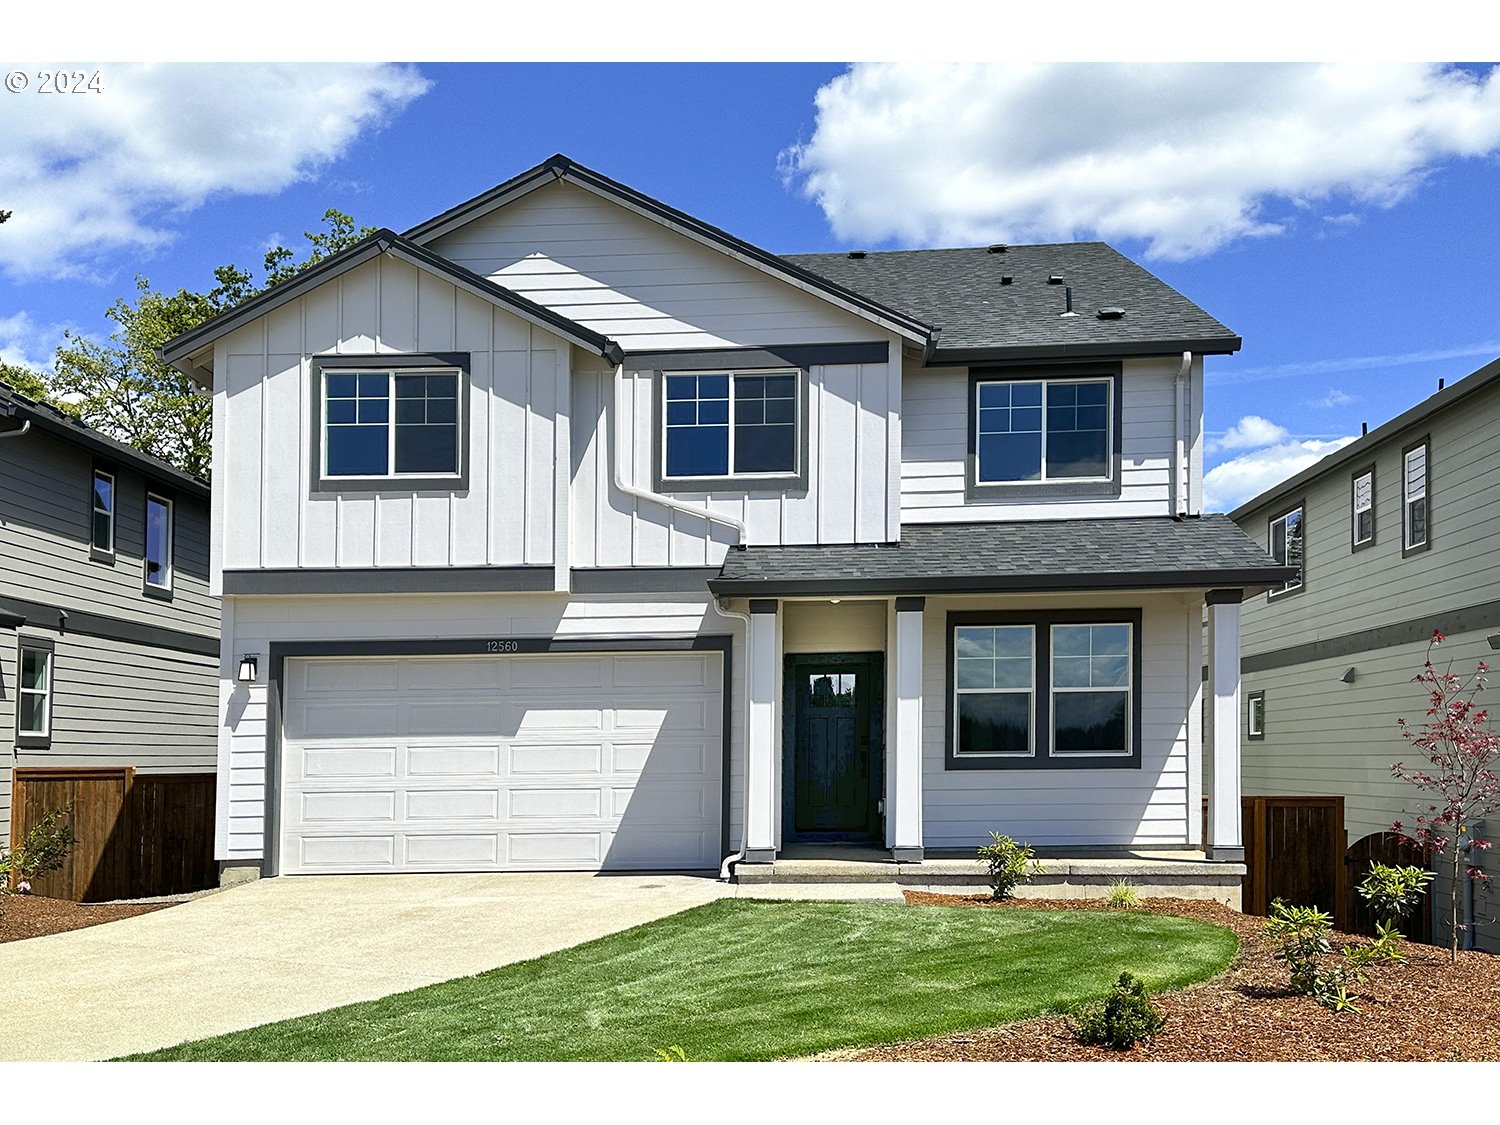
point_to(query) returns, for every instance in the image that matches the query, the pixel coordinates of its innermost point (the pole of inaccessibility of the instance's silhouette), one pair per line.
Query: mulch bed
(1423, 1009)
(28, 916)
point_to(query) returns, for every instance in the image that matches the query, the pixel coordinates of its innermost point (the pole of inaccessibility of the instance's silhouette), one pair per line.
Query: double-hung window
(34, 693)
(1053, 435)
(730, 426)
(102, 516)
(1362, 500)
(1414, 513)
(158, 577)
(391, 422)
(1040, 690)
(1285, 535)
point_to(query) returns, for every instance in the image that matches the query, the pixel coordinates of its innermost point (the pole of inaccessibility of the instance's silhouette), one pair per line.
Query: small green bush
(1303, 933)
(1122, 894)
(1394, 892)
(42, 850)
(1124, 1018)
(1010, 864)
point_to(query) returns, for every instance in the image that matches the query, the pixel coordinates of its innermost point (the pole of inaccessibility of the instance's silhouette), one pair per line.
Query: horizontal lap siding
(258, 622)
(1145, 806)
(635, 281)
(518, 383)
(934, 450)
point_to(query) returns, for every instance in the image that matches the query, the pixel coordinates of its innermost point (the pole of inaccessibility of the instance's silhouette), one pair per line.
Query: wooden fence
(138, 835)
(1294, 850)
(1387, 848)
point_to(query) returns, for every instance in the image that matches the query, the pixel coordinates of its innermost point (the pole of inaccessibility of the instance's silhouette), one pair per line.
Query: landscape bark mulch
(28, 916)
(1425, 1008)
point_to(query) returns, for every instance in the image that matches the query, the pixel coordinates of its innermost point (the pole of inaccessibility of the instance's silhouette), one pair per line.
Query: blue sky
(1344, 222)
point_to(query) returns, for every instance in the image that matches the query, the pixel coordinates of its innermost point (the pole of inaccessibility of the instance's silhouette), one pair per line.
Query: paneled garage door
(509, 763)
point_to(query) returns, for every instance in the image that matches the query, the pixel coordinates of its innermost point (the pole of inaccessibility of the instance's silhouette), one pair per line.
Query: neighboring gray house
(1395, 535)
(567, 531)
(108, 634)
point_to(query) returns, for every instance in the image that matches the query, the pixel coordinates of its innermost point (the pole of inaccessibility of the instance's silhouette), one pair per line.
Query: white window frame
(1356, 511)
(95, 510)
(390, 437)
(1290, 586)
(1109, 432)
(1128, 690)
(798, 422)
(1410, 496)
(166, 570)
(1030, 691)
(49, 654)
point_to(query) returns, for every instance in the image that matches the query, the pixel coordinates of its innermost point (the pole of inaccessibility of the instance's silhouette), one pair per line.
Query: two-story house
(567, 531)
(1393, 536)
(109, 645)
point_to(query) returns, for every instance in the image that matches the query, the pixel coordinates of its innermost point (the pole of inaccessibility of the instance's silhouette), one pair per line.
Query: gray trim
(1223, 597)
(764, 605)
(1360, 447)
(1041, 704)
(1252, 580)
(642, 579)
(1273, 594)
(778, 483)
(907, 855)
(377, 362)
(108, 628)
(911, 604)
(976, 492)
(968, 357)
(1354, 475)
(770, 355)
(1424, 441)
(279, 652)
(48, 645)
(391, 580)
(1250, 701)
(1452, 622)
(759, 855)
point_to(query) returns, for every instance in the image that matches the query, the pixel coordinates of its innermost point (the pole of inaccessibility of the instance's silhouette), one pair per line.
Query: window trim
(1356, 543)
(1424, 443)
(1288, 591)
(375, 363)
(29, 740)
(163, 590)
(1043, 620)
(974, 490)
(731, 482)
(96, 552)
(1251, 700)
(1032, 689)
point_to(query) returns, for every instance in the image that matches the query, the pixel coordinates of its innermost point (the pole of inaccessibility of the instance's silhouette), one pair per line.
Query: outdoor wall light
(1494, 639)
(1349, 677)
(248, 668)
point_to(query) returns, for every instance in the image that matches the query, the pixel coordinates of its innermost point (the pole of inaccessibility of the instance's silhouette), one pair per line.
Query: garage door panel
(531, 763)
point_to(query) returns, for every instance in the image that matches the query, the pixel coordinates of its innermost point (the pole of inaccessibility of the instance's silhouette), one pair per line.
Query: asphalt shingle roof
(1098, 554)
(960, 293)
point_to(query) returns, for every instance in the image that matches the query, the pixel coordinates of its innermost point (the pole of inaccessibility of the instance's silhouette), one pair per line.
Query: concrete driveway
(287, 947)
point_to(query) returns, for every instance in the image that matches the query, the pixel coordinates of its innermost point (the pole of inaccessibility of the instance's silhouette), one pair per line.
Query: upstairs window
(158, 576)
(1414, 506)
(1363, 500)
(390, 424)
(1053, 435)
(1286, 544)
(721, 425)
(102, 515)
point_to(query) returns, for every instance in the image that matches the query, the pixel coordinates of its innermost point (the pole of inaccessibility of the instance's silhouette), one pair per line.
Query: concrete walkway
(279, 948)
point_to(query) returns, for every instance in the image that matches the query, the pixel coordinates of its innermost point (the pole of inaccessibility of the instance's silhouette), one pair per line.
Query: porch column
(760, 744)
(1224, 840)
(904, 802)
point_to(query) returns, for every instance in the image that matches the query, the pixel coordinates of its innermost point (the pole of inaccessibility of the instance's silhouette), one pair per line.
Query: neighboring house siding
(633, 280)
(935, 445)
(1048, 807)
(519, 378)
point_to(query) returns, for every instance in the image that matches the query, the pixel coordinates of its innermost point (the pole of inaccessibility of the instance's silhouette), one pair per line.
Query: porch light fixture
(248, 668)
(1349, 677)
(1494, 639)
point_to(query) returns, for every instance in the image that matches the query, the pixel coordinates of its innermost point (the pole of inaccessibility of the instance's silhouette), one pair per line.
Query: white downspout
(25, 426)
(734, 857)
(1181, 475)
(656, 497)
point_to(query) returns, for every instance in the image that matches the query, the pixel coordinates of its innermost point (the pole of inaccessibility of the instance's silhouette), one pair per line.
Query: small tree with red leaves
(1462, 752)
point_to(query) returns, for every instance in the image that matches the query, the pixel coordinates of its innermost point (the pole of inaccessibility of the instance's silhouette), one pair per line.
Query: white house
(566, 531)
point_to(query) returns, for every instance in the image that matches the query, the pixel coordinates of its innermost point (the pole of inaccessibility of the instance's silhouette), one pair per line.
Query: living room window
(730, 426)
(1035, 690)
(1034, 434)
(1285, 537)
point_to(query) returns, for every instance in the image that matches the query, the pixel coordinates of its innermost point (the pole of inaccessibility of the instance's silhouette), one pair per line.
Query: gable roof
(49, 419)
(179, 351)
(1361, 446)
(979, 317)
(560, 167)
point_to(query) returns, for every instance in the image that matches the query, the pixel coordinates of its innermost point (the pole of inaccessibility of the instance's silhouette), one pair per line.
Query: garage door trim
(281, 651)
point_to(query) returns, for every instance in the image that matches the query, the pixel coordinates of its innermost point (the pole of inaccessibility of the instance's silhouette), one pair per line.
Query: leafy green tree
(5, 215)
(24, 379)
(121, 388)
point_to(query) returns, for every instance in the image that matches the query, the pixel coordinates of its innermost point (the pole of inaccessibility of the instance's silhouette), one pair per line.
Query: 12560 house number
(502, 646)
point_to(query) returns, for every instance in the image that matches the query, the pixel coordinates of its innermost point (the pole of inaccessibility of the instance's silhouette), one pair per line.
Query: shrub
(1303, 933)
(1124, 1018)
(1122, 894)
(1010, 864)
(41, 851)
(1394, 892)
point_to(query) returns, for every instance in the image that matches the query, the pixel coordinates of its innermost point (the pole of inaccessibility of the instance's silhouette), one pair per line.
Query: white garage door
(508, 763)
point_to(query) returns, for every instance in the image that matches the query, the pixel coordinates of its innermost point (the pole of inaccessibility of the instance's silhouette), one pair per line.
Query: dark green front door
(834, 746)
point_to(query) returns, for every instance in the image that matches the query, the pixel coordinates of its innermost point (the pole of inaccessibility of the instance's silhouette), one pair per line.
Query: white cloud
(88, 174)
(1250, 432)
(1334, 397)
(1230, 484)
(28, 344)
(1187, 157)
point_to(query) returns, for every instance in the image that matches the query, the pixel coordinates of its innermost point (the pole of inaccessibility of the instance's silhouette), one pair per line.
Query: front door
(833, 779)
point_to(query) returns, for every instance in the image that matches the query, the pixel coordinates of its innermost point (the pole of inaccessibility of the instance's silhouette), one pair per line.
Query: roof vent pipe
(1440, 383)
(1068, 302)
(1364, 428)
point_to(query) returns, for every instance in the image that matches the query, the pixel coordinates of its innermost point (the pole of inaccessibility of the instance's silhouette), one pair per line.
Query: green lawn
(742, 979)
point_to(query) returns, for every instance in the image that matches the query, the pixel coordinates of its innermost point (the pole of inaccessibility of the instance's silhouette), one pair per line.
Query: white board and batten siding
(1155, 805)
(935, 435)
(518, 409)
